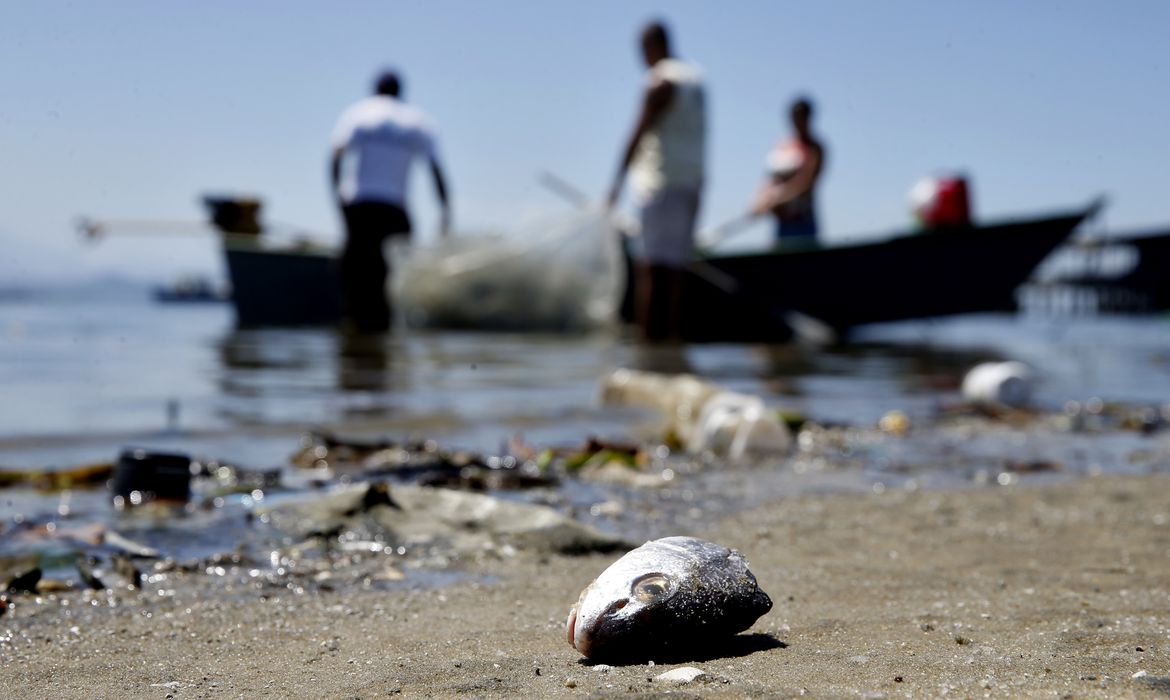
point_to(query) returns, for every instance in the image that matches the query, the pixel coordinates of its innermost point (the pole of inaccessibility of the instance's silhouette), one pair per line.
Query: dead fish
(664, 597)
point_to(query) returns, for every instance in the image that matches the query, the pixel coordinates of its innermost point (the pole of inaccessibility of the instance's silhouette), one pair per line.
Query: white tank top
(671, 152)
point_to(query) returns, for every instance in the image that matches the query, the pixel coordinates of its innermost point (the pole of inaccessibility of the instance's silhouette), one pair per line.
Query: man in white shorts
(374, 143)
(665, 158)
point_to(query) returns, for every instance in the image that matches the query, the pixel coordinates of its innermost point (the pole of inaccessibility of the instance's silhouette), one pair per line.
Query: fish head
(669, 592)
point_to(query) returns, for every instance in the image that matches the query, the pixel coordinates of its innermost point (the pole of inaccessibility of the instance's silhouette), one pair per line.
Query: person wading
(665, 159)
(374, 143)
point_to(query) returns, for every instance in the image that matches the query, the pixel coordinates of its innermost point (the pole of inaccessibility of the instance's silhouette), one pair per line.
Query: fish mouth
(582, 642)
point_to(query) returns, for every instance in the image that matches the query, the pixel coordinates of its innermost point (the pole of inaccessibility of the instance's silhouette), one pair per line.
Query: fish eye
(651, 587)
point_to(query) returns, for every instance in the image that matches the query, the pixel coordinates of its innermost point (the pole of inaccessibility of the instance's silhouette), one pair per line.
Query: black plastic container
(142, 476)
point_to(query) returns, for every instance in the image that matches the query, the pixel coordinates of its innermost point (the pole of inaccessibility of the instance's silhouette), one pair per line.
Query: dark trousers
(363, 263)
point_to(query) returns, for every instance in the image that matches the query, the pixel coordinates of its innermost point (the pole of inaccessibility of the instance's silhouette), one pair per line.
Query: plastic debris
(701, 415)
(1003, 383)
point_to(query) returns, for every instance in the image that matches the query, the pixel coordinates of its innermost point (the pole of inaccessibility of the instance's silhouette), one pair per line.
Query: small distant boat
(1142, 285)
(191, 289)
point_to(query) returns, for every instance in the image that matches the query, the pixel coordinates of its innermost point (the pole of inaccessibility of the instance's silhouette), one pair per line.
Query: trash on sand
(92, 475)
(895, 422)
(701, 415)
(25, 582)
(466, 523)
(739, 425)
(1003, 383)
(142, 476)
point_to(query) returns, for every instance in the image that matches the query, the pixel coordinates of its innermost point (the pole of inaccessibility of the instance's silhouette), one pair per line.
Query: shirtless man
(794, 166)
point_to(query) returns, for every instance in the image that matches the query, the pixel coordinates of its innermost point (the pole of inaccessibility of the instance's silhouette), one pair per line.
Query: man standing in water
(375, 141)
(665, 159)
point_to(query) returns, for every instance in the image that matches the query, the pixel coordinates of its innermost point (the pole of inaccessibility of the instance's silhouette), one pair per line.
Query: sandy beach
(1023, 591)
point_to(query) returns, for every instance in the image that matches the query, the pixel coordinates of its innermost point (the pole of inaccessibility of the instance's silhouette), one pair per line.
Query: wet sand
(1023, 591)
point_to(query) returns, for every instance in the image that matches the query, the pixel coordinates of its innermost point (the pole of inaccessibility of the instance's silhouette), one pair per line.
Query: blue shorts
(796, 230)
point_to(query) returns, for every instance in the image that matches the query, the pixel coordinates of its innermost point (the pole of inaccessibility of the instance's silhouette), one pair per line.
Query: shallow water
(85, 375)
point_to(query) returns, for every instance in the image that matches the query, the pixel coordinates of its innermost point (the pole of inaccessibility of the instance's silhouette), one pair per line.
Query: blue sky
(128, 109)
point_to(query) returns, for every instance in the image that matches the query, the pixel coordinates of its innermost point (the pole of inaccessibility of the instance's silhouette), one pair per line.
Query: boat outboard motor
(235, 214)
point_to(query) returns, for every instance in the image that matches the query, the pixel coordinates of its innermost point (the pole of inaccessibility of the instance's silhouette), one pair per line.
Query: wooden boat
(293, 285)
(921, 274)
(274, 283)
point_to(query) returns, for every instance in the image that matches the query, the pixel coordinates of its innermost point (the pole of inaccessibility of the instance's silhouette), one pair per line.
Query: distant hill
(100, 287)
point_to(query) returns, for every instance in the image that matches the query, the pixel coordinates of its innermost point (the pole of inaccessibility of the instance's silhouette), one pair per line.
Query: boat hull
(275, 287)
(738, 298)
(922, 275)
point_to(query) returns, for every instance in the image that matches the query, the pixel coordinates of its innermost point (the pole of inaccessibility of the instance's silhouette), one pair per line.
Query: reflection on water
(97, 386)
(78, 390)
(363, 362)
(667, 358)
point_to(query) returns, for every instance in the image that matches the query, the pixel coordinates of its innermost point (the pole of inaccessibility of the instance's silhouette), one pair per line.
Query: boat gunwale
(1076, 217)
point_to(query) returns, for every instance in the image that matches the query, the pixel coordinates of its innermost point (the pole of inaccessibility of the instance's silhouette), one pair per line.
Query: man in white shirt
(374, 143)
(665, 157)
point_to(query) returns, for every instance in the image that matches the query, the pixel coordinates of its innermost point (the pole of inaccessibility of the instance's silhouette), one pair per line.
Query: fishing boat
(910, 275)
(191, 289)
(275, 282)
(734, 298)
(278, 280)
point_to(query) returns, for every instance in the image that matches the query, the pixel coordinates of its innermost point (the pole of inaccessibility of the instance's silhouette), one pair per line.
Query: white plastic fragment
(738, 425)
(681, 676)
(1005, 383)
(701, 414)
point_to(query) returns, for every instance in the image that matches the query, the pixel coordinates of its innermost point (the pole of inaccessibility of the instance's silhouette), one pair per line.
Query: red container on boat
(948, 204)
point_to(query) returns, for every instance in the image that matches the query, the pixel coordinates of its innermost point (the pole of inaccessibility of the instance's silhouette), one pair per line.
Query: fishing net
(560, 274)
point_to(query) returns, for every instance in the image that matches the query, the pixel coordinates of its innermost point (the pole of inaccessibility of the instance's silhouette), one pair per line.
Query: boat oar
(576, 196)
(93, 229)
(728, 229)
(565, 189)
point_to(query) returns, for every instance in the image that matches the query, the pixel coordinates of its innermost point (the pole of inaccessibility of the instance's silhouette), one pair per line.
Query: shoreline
(1027, 590)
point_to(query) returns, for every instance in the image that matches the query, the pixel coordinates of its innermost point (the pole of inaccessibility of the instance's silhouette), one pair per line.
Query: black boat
(921, 274)
(274, 283)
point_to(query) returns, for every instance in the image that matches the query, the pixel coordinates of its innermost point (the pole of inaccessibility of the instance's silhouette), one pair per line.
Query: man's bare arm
(657, 98)
(441, 193)
(335, 173)
(773, 194)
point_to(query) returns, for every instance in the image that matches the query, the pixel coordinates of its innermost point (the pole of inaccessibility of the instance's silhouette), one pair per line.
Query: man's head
(655, 43)
(801, 114)
(388, 83)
